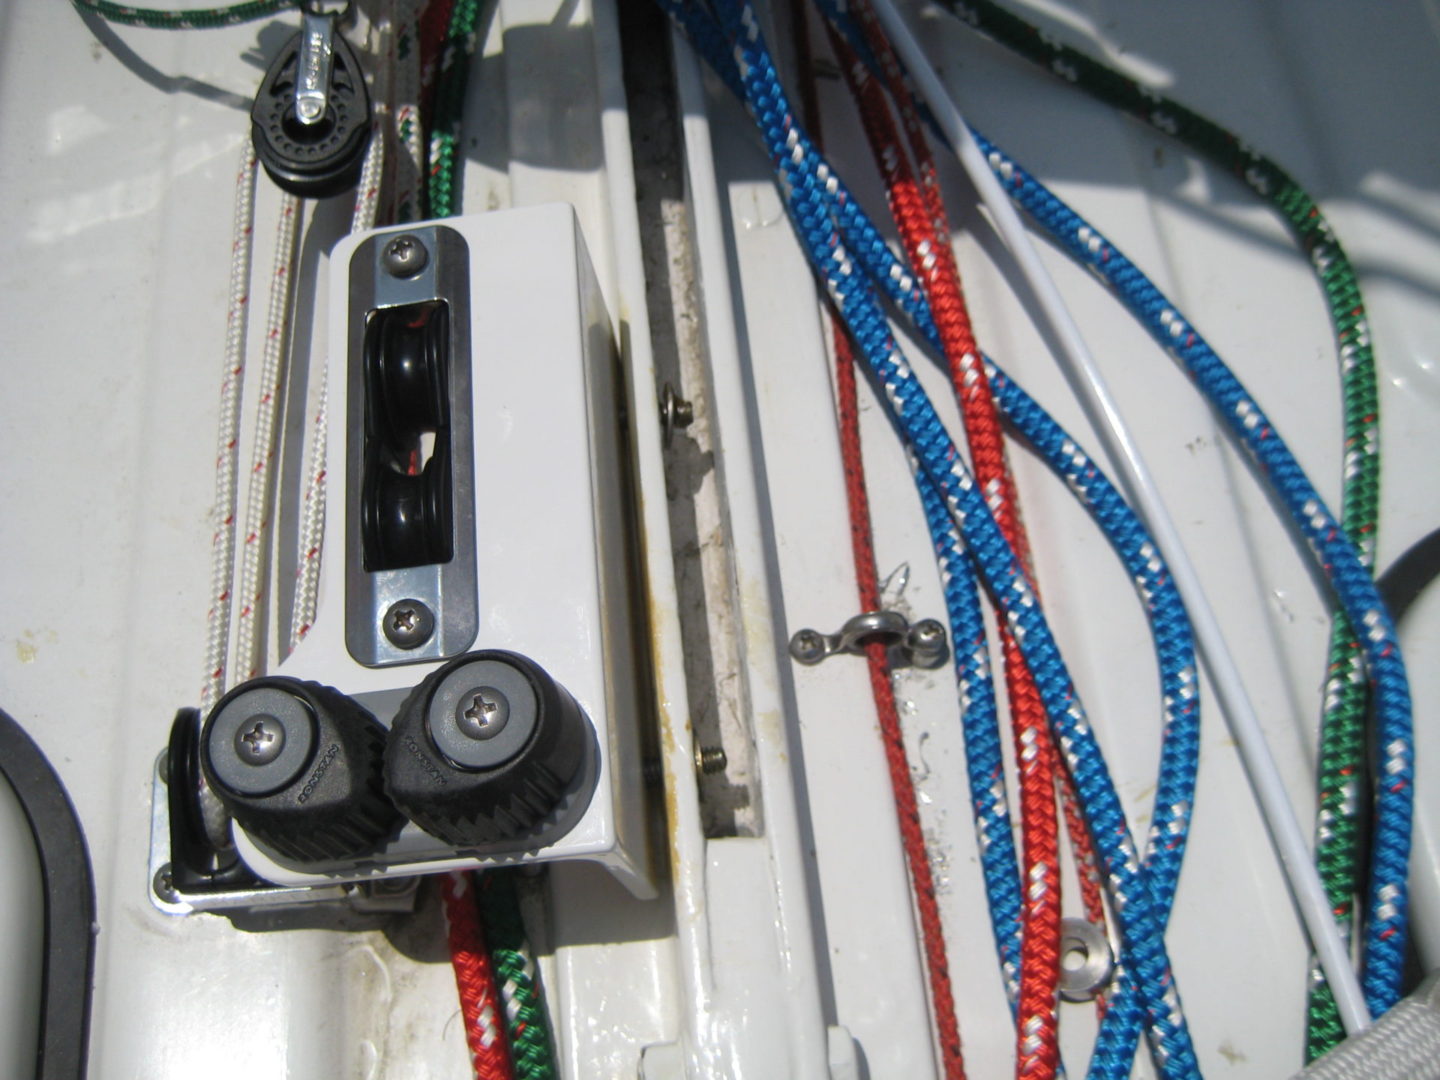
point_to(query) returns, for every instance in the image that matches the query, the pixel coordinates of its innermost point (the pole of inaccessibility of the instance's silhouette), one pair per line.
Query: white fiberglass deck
(116, 169)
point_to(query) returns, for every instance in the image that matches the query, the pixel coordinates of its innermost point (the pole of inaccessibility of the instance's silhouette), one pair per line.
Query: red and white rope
(227, 452)
(480, 1006)
(312, 515)
(250, 645)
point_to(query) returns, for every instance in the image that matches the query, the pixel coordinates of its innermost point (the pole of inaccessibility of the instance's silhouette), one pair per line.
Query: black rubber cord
(1408, 576)
(69, 904)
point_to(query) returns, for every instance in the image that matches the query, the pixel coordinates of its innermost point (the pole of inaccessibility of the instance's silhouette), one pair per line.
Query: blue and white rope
(1386, 926)
(1175, 793)
(808, 187)
(1347, 569)
(980, 721)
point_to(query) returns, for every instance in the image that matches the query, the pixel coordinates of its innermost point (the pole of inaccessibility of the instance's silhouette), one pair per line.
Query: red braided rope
(867, 579)
(475, 978)
(919, 212)
(1087, 865)
(906, 809)
(1082, 847)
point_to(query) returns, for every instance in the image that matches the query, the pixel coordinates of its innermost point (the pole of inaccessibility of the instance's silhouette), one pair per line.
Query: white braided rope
(227, 453)
(312, 521)
(249, 638)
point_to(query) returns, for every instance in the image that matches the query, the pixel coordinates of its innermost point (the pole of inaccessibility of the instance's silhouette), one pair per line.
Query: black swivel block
(485, 749)
(298, 765)
(318, 159)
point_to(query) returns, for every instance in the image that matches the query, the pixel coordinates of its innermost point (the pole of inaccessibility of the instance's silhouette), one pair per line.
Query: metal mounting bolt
(927, 634)
(675, 412)
(260, 739)
(408, 624)
(927, 643)
(808, 646)
(482, 713)
(404, 256)
(710, 759)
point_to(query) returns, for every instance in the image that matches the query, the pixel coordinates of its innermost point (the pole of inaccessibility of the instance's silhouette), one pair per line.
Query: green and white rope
(532, 1049)
(206, 18)
(454, 77)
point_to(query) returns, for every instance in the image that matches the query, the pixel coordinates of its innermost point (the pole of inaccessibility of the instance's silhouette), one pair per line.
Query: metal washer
(238, 775)
(464, 751)
(1093, 974)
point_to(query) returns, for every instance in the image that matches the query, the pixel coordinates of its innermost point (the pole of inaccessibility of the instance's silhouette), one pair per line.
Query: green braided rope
(196, 19)
(526, 1021)
(1340, 817)
(450, 84)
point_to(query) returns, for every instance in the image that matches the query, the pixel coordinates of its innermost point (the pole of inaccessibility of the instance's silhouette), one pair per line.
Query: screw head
(927, 641)
(407, 624)
(404, 257)
(711, 759)
(482, 713)
(675, 412)
(260, 740)
(164, 885)
(927, 635)
(808, 646)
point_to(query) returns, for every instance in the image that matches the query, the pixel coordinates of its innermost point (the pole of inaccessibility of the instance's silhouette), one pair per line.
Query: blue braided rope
(1387, 903)
(1174, 797)
(1169, 622)
(1175, 652)
(808, 194)
(980, 722)
(1386, 929)
(1170, 626)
